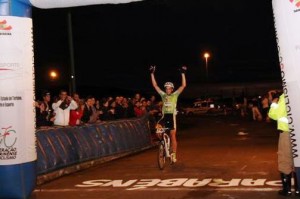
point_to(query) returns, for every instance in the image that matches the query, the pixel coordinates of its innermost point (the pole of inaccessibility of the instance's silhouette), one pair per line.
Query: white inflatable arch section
(73, 3)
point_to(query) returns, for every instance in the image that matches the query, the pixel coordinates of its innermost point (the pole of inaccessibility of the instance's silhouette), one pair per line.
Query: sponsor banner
(287, 20)
(74, 3)
(136, 184)
(17, 112)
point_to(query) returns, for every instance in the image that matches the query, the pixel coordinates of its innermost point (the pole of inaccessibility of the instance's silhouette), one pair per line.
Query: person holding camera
(44, 113)
(62, 108)
(169, 98)
(87, 110)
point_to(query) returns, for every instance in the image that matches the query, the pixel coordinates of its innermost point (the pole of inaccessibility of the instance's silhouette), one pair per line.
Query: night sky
(115, 44)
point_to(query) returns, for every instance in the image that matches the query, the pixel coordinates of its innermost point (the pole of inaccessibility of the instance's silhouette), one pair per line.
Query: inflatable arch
(17, 114)
(287, 20)
(17, 123)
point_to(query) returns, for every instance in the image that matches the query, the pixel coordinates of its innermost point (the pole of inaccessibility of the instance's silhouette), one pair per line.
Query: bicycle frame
(165, 139)
(164, 151)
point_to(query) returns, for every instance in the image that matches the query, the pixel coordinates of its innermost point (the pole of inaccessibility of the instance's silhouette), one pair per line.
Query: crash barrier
(58, 148)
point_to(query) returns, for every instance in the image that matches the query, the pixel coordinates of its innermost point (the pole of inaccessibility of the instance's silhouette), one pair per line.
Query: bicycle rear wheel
(161, 156)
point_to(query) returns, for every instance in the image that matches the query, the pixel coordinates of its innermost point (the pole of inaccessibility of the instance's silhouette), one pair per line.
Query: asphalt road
(218, 157)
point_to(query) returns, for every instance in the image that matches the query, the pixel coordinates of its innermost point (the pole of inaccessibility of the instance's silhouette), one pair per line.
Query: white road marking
(244, 167)
(161, 189)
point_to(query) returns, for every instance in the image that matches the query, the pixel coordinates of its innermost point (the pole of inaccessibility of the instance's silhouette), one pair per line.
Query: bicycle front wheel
(161, 156)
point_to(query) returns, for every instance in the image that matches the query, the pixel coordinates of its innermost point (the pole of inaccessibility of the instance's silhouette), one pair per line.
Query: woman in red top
(75, 115)
(138, 109)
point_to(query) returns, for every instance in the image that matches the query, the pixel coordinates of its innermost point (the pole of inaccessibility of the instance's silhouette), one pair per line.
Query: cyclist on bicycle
(169, 99)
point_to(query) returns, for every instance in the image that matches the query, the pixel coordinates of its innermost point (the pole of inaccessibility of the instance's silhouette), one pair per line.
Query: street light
(206, 56)
(53, 75)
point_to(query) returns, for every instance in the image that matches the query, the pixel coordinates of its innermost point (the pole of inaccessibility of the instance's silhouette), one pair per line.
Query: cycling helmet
(169, 84)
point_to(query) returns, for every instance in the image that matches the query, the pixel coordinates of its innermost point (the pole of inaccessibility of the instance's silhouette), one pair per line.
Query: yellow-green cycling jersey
(169, 102)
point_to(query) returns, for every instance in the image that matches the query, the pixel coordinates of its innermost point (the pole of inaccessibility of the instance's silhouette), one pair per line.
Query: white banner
(17, 113)
(74, 3)
(287, 24)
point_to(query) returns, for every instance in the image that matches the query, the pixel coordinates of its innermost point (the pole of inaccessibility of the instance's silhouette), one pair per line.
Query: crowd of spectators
(72, 110)
(257, 108)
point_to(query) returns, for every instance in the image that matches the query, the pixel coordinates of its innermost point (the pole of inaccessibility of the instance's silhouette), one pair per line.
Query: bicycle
(11, 141)
(164, 146)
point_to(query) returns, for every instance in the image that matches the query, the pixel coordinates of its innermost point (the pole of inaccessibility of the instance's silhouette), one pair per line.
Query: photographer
(87, 110)
(44, 113)
(62, 108)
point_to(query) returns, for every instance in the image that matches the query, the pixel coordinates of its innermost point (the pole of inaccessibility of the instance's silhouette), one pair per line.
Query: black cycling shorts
(169, 121)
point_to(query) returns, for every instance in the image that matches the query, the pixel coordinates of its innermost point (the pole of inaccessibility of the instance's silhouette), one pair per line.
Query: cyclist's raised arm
(154, 83)
(183, 79)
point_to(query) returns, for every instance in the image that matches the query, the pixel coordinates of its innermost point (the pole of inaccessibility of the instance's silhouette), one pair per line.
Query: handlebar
(161, 130)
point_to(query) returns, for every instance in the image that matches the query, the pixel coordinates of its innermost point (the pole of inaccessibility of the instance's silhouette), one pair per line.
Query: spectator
(119, 109)
(159, 107)
(153, 113)
(255, 110)
(62, 108)
(130, 108)
(244, 105)
(87, 111)
(144, 106)
(105, 113)
(75, 115)
(138, 109)
(42, 115)
(152, 106)
(137, 97)
(95, 113)
(125, 107)
(46, 101)
(76, 98)
(265, 107)
(153, 99)
(98, 105)
(112, 109)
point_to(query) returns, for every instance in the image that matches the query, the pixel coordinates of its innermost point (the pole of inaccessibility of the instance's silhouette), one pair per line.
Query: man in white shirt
(62, 108)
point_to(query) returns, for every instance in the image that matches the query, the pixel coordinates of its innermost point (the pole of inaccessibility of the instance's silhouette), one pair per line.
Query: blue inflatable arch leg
(17, 140)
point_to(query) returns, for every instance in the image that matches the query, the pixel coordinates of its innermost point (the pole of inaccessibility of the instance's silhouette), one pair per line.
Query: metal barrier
(69, 149)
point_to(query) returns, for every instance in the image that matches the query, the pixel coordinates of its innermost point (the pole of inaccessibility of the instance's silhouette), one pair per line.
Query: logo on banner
(5, 27)
(8, 139)
(10, 70)
(297, 4)
(6, 67)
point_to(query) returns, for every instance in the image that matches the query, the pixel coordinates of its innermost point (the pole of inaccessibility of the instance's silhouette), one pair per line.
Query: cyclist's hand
(152, 69)
(183, 69)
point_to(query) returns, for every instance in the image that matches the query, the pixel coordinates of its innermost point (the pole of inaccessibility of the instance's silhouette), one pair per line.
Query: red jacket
(74, 116)
(138, 112)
